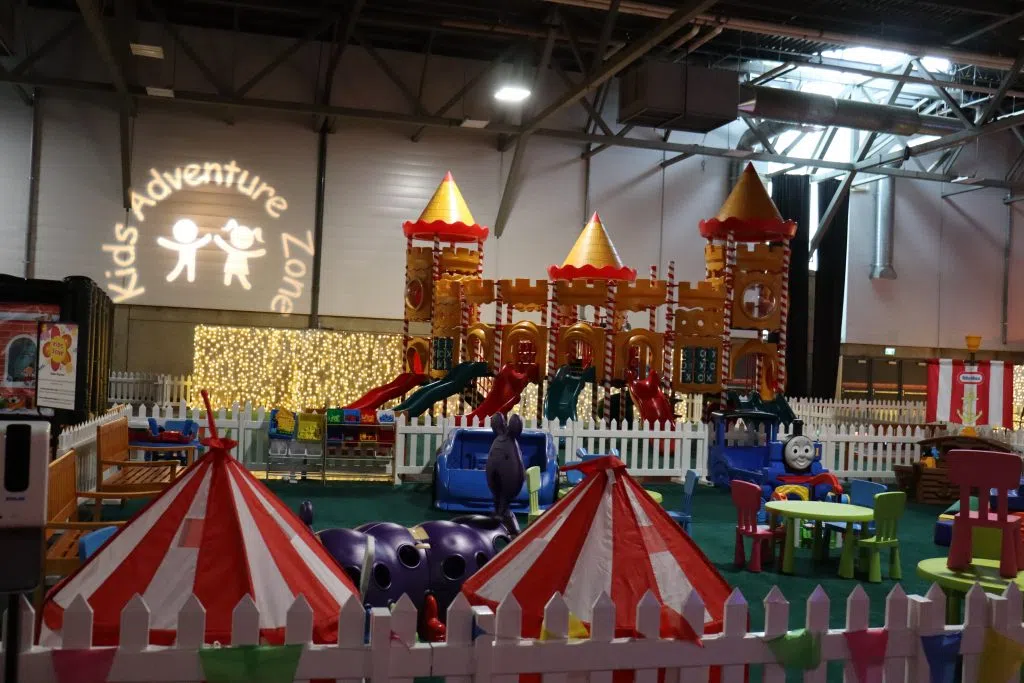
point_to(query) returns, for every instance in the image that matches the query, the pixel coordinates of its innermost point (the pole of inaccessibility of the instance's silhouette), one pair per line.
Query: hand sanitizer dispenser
(24, 456)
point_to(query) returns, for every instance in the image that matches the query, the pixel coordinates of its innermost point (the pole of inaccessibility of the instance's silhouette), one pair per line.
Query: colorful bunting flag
(83, 666)
(1001, 657)
(941, 652)
(798, 649)
(478, 631)
(867, 653)
(250, 663)
(577, 629)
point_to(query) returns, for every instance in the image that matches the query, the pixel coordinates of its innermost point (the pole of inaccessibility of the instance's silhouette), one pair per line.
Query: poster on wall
(214, 233)
(971, 394)
(19, 353)
(58, 365)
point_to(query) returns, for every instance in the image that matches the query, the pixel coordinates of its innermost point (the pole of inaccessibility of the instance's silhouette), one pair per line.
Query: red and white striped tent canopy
(607, 535)
(217, 533)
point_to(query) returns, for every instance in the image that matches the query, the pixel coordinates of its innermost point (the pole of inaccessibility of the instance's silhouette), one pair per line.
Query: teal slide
(564, 392)
(451, 384)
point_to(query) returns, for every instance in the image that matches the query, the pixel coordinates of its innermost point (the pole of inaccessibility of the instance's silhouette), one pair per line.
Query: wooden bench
(63, 530)
(113, 451)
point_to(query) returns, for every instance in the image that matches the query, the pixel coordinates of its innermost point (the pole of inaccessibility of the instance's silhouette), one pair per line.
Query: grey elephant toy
(505, 472)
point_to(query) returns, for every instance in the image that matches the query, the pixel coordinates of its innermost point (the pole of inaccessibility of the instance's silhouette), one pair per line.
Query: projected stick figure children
(186, 242)
(237, 263)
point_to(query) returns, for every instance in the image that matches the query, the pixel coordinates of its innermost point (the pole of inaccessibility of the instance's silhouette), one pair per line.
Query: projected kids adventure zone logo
(240, 249)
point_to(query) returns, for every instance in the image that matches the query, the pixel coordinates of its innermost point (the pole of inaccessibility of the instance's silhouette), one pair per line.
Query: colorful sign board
(58, 365)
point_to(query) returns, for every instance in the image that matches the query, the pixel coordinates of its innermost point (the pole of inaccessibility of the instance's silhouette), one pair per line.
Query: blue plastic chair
(89, 543)
(861, 493)
(684, 516)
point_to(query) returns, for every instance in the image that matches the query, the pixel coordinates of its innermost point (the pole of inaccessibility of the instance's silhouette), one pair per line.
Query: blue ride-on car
(460, 478)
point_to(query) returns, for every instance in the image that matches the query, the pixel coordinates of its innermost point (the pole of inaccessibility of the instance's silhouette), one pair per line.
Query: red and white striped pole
(609, 348)
(405, 309)
(463, 340)
(542, 374)
(780, 384)
(730, 263)
(553, 330)
(496, 356)
(652, 312)
(670, 331)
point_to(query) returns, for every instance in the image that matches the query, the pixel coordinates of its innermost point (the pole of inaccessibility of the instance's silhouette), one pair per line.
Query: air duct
(822, 110)
(748, 141)
(885, 209)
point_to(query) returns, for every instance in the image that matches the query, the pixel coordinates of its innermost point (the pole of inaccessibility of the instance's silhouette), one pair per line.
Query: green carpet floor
(348, 505)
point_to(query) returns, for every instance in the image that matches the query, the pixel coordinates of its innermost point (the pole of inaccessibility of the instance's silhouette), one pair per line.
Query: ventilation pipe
(801, 107)
(885, 208)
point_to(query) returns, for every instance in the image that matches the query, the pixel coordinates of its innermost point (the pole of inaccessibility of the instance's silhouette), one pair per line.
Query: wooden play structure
(726, 331)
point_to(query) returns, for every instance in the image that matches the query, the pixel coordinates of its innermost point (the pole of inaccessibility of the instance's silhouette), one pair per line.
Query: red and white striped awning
(220, 534)
(607, 536)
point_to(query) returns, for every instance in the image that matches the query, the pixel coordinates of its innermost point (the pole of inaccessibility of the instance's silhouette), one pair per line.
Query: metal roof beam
(326, 19)
(621, 60)
(514, 178)
(946, 97)
(467, 87)
(340, 44)
(198, 99)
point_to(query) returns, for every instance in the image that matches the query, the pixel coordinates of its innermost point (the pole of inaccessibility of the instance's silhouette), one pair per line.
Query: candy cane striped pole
(542, 374)
(463, 341)
(435, 268)
(405, 309)
(553, 330)
(730, 263)
(670, 331)
(497, 326)
(652, 312)
(609, 348)
(780, 384)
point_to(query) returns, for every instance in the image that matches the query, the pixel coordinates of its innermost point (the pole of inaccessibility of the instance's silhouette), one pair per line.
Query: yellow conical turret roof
(593, 257)
(749, 214)
(749, 200)
(447, 204)
(593, 247)
(446, 217)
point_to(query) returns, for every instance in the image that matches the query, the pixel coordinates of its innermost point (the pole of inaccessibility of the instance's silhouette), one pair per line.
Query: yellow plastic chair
(533, 488)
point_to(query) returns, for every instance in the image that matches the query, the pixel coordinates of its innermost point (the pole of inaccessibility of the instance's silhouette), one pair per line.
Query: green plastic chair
(889, 509)
(533, 488)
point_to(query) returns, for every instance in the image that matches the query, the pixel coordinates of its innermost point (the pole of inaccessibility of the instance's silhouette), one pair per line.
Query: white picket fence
(82, 437)
(816, 411)
(137, 388)
(848, 450)
(484, 646)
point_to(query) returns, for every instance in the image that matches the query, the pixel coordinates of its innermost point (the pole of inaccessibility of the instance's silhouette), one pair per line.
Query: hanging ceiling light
(512, 85)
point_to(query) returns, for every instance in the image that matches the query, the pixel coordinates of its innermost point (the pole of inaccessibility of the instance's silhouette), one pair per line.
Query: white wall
(15, 132)
(949, 255)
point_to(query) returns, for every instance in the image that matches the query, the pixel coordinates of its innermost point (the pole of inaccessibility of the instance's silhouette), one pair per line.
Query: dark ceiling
(483, 28)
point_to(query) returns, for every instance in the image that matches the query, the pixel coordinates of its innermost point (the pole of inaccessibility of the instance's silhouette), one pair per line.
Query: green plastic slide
(451, 384)
(564, 392)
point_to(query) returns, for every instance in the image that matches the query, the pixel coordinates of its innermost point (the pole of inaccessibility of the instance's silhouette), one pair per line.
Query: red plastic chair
(985, 470)
(747, 499)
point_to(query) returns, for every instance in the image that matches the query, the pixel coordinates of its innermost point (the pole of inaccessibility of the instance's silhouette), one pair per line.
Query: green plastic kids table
(955, 584)
(792, 511)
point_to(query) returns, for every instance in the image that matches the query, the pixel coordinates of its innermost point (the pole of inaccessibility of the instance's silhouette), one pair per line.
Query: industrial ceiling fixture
(512, 85)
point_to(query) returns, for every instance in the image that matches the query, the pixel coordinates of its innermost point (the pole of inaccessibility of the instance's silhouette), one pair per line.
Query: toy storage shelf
(295, 460)
(360, 452)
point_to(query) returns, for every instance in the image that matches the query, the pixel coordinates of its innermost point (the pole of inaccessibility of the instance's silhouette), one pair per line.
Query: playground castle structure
(727, 331)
